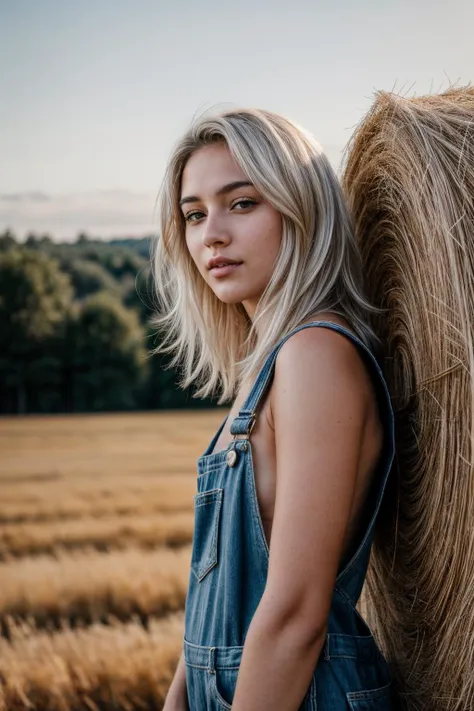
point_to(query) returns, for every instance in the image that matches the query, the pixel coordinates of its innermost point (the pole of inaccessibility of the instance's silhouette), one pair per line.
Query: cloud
(104, 213)
(19, 197)
(99, 213)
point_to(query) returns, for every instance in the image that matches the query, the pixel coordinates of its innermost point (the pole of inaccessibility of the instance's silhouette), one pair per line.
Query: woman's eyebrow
(222, 191)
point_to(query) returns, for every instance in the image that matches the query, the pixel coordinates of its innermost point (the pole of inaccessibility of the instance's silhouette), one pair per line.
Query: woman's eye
(196, 215)
(245, 203)
(190, 215)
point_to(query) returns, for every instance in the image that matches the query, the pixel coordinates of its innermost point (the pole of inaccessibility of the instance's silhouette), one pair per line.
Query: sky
(94, 93)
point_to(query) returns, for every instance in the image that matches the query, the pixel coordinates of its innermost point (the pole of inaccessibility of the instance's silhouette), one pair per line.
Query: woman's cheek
(192, 251)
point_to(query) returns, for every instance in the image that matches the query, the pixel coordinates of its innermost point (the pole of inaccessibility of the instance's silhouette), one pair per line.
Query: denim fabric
(229, 564)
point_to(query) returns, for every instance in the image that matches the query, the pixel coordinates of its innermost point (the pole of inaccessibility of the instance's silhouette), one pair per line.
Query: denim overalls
(229, 564)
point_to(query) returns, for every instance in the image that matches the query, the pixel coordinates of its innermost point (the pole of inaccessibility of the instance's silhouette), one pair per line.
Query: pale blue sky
(95, 92)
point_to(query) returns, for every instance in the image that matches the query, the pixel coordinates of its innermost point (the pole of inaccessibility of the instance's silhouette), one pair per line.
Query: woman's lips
(219, 272)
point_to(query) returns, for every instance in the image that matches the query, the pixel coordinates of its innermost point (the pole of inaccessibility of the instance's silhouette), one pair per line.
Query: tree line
(75, 328)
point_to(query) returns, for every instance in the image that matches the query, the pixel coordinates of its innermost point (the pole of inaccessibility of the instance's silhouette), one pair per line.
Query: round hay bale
(409, 180)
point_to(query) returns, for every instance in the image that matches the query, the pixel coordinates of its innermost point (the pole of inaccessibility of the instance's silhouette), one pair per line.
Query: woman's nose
(215, 231)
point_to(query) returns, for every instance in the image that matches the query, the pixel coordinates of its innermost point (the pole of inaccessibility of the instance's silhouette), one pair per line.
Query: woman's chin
(231, 296)
(229, 299)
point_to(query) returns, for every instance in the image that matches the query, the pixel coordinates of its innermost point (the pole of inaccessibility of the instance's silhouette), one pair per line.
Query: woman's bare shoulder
(314, 356)
(331, 317)
(321, 342)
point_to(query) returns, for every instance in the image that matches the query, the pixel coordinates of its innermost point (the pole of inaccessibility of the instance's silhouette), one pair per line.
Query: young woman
(260, 287)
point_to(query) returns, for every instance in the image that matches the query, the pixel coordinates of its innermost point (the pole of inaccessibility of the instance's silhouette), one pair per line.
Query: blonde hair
(318, 267)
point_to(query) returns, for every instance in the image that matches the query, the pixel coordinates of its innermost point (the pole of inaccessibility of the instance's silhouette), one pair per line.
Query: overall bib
(229, 564)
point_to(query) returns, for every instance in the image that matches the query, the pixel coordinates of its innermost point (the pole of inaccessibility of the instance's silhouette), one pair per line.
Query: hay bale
(409, 179)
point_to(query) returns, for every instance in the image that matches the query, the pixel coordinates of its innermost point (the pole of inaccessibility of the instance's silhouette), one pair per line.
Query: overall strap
(244, 421)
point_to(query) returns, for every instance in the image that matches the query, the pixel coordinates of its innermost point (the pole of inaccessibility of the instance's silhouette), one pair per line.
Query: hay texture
(409, 179)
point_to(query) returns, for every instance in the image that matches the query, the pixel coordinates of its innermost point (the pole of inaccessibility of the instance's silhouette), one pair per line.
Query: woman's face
(227, 219)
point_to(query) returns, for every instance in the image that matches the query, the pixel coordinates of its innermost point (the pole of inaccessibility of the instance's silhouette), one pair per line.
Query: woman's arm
(319, 404)
(177, 697)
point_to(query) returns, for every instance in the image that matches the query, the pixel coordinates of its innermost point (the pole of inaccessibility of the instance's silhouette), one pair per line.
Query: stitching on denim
(215, 692)
(346, 597)
(256, 511)
(199, 646)
(213, 495)
(195, 666)
(218, 667)
(199, 570)
(327, 647)
(369, 694)
(343, 594)
(207, 503)
(210, 468)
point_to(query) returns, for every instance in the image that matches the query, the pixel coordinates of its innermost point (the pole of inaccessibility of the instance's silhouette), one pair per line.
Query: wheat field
(95, 543)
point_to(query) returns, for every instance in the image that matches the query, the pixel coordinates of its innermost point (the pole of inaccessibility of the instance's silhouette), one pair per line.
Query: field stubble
(95, 530)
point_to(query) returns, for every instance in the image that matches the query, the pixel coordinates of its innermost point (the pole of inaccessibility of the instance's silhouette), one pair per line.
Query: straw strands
(409, 179)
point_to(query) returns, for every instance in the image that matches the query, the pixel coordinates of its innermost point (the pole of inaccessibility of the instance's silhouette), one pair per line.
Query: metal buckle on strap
(239, 437)
(252, 425)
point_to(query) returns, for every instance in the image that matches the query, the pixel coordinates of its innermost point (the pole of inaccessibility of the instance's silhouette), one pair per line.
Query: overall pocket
(379, 699)
(223, 684)
(207, 508)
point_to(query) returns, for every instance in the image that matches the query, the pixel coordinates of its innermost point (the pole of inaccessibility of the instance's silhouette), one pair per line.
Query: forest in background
(75, 329)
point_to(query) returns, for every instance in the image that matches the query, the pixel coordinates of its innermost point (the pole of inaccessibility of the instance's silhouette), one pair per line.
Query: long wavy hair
(318, 267)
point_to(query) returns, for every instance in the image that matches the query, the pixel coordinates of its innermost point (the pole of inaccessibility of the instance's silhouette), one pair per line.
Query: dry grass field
(95, 542)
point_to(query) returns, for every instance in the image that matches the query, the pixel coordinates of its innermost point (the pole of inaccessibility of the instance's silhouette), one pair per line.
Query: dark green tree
(90, 277)
(120, 262)
(82, 238)
(74, 328)
(32, 241)
(7, 241)
(109, 356)
(35, 297)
